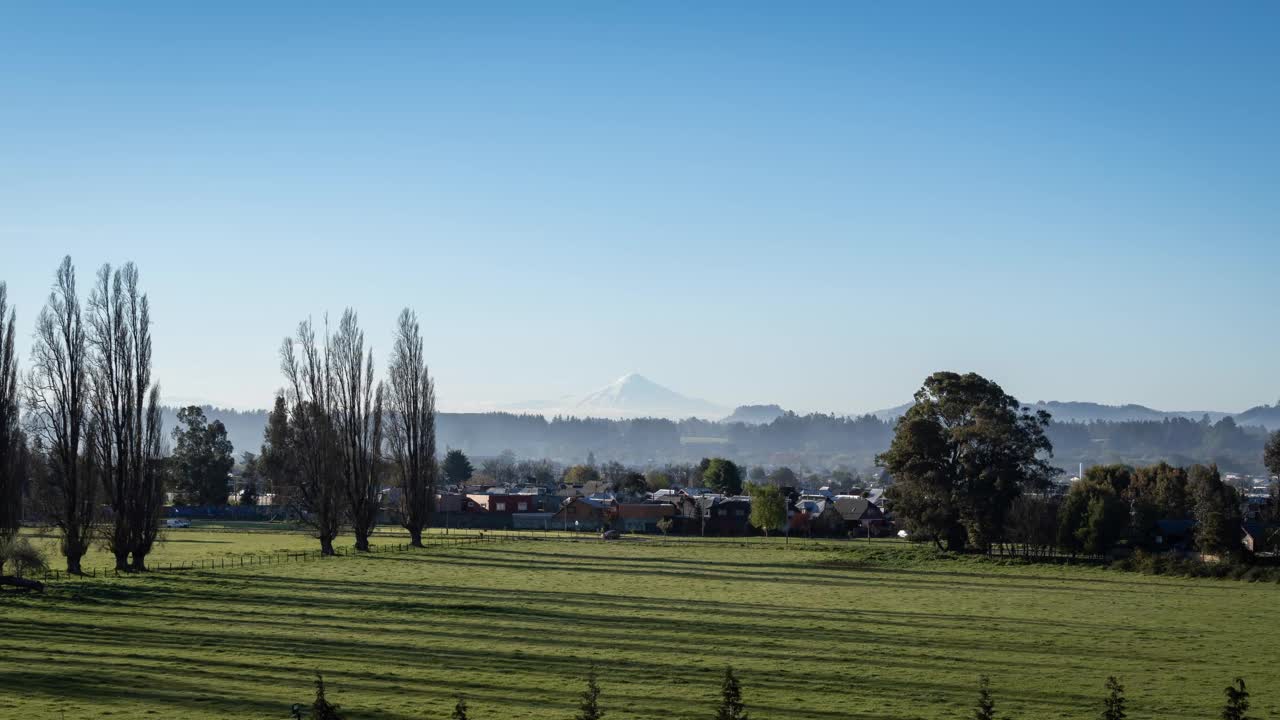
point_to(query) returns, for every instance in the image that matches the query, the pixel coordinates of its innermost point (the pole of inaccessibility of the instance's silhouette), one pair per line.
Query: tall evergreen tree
(731, 707)
(457, 468)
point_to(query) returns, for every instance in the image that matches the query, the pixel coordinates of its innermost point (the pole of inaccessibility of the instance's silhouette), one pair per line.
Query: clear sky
(814, 204)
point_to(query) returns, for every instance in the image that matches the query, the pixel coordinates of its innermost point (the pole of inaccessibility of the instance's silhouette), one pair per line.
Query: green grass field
(815, 631)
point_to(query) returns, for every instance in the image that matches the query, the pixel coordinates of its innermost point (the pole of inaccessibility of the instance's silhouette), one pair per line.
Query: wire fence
(449, 539)
(281, 557)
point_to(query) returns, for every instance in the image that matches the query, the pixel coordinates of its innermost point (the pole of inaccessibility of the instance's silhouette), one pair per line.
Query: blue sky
(814, 204)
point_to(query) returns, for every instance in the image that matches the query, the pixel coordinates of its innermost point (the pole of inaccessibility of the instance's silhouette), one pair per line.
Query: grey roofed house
(810, 506)
(690, 504)
(816, 515)
(856, 509)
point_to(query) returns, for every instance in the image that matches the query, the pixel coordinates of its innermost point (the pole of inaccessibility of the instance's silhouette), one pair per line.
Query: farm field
(815, 631)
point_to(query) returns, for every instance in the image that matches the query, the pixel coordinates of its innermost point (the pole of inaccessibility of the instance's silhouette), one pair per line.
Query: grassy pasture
(816, 631)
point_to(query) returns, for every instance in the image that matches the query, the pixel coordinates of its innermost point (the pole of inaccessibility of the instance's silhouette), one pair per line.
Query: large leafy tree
(768, 507)
(962, 453)
(1094, 514)
(202, 453)
(1161, 486)
(1093, 518)
(1216, 507)
(581, 475)
(723, 476)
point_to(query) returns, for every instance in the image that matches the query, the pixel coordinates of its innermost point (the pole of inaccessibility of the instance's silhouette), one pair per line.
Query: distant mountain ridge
(1083, 412)
(634, 396)
(755, 414)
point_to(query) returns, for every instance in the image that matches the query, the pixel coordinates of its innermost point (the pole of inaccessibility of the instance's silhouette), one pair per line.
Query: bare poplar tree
(11, 440)
(149, 502)
(56, 393)
(358, 417)
(119, 335)
(313, 440)
(411, 426)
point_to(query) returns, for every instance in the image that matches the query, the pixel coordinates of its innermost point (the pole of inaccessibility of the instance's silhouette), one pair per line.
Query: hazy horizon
(815, 208)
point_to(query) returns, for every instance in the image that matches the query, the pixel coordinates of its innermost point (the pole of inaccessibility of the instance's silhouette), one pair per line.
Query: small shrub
(322, 709)
(23, 557)
(589, 706)
(731, 707)
(1237, 705)
(1113, 706)
(986, 707)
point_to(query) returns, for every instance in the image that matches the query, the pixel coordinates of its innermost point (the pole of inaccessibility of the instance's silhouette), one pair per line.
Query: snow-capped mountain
(630, 396)
(634, 395)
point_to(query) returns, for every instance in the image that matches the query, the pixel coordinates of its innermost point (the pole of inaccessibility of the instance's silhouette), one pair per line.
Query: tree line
(971, 469)
(80, 433)
(337, 432)
(820, 440)
(814, 441)
(82, 446)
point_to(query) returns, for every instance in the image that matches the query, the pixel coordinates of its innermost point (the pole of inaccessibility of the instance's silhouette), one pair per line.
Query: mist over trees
(815, 441)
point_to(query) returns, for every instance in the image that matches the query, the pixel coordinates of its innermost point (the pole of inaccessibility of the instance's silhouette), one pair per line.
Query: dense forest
(816, 441)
